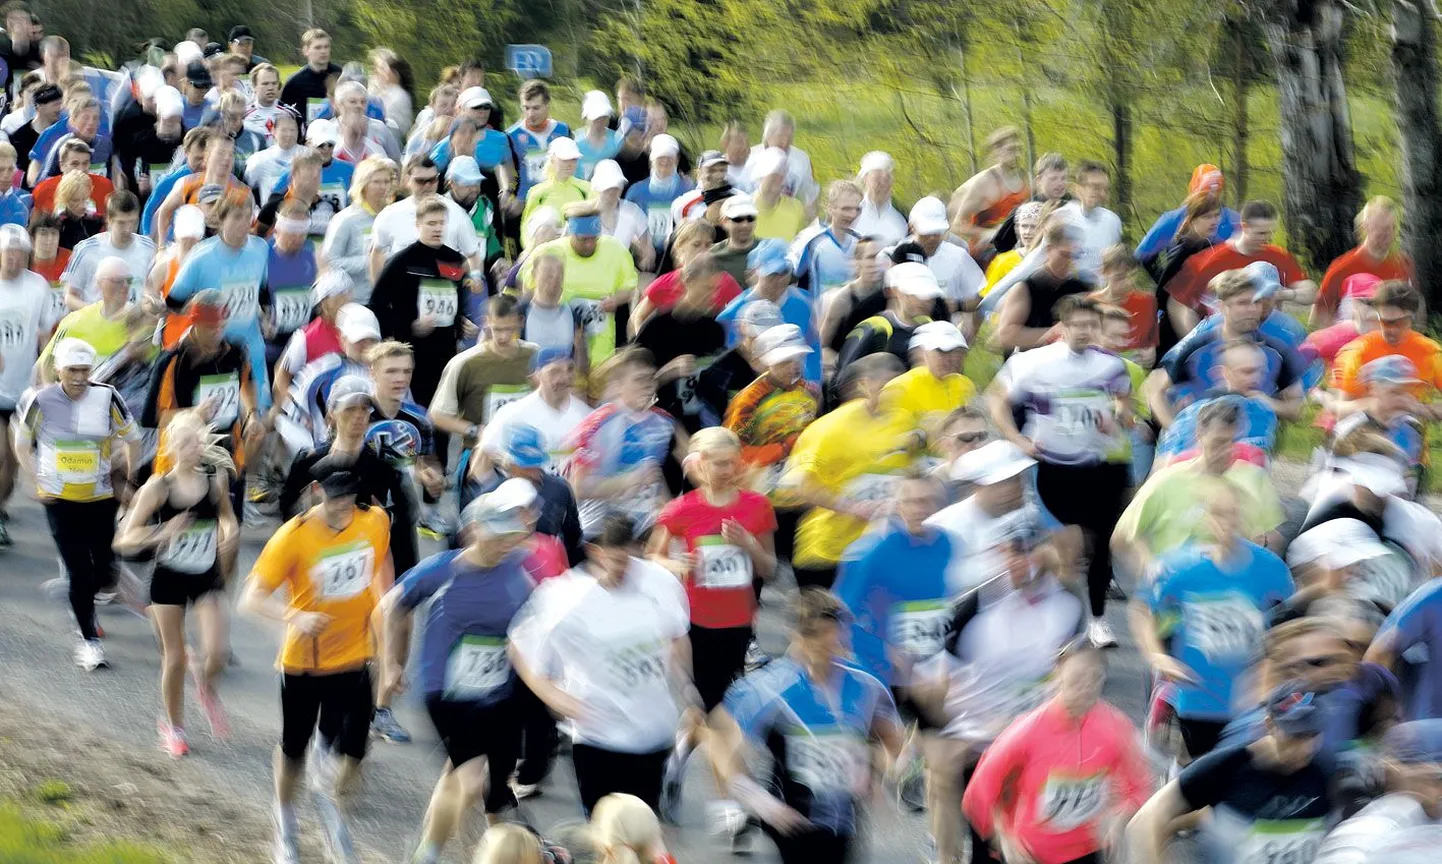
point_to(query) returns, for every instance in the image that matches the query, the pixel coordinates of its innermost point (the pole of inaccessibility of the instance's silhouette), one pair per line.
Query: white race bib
(594, 319)
(225, 390)
(503, 394)
(919, 629)
(438, 299)
(313, 106)
(535, 161)
(829, 762)
(721, 565)
(872, 487)
(194, 550)
(292, 310)
(1283, 841)
(242, 300)
(344, 572)
(1071, 802)
(637, 666)
(658, 222)
(1224, 628)
(77, 462)
(478, 665)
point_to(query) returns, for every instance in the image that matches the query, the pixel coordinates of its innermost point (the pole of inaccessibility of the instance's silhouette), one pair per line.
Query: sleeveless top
(194, 551)
(996, 213)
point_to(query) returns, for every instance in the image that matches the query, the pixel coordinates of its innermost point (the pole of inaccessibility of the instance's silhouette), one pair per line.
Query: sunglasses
(427, 181)
(969, 437)
(747, 219)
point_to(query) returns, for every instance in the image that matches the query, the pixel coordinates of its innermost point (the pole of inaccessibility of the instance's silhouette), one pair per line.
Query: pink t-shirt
(1328, 342)
(666, 291)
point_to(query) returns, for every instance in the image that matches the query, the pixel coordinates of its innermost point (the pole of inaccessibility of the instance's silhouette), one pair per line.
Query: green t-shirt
(1170, 508)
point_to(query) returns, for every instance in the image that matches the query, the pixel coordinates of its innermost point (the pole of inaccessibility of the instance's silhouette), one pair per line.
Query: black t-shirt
(1046, 290)
(667, 337)
(379, 481)
(306, 84)
(150, 152)
(437, 274)
(635, 167)
(23, 139)
(1230, 780)
(73, 230)
(175, 383)
(724, 378)
(1343, 508)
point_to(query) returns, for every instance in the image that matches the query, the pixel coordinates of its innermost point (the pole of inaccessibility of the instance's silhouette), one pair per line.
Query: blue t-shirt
(1259, 426)
(529, 150)
(158, 196)
(796, 308)
(238, 274)
(1415, 631)
(819, 744)
(101, 150)
(492, 148)
(591, 154)
(655, 202)
(15, 206)
(335, 180)
(1164, 230)
(192, 116)
(463, 647)
(821, 258)
(1214, 619)
(1284, 329)
(1194, 365)
(286, 292)
(895, 586)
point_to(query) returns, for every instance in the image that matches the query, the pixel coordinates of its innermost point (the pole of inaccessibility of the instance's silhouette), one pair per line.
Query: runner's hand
(737, 535)
(209, 406)
(310, 623)
(469, 329)
(610, 303)
(431, 479)
(1011, 851)
(682, 564)
(423, 325)
(784, 819)
(1172, 669)
(394, 681)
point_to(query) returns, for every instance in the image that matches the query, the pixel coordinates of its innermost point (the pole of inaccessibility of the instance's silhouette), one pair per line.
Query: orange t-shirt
(1329, 294)
(1189, 287)
(341, 574)
(176, 322)
(1425, 355)
(1142, 307)
(44, 194)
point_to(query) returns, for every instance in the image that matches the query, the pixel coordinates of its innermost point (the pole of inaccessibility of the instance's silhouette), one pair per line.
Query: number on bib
(1224, 628)
(872, 487)
(12, 333)
(242, 299)
(722, 565)
(503, 394)
(594, 319)
(345, 572)
(437, 298)
(829, 762)
(225, 390)
(477, 666)
(535, 161)
(1071, 802)
(637, 666)
(292, 310)
(1287, 841)
(194, 550)
(920, 629)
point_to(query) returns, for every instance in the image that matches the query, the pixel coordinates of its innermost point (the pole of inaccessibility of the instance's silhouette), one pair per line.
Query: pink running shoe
(172, 740)
(214, 711)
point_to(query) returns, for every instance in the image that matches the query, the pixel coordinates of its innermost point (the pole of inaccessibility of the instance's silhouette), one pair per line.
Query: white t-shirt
(260, 119)
(611, 649)
(531, 410)
(958, 275)
(1068, 399)
(263, 170)
(25, 312)
(630, 223)
(978, 537)
(88, 253)
(395, 228)
(886, 224)
(1100, 230)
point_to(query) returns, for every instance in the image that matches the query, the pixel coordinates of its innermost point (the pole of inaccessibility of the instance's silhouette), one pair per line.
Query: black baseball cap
(239, 32)
(47, 93)
(212, 49)
(198, 75)
(336, 478)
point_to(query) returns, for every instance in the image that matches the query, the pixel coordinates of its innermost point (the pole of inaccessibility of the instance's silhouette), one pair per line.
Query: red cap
(206, 315)
(1360, 286)
(1206, 177)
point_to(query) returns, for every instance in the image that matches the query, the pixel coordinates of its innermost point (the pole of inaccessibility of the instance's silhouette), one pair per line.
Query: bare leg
(170, 625)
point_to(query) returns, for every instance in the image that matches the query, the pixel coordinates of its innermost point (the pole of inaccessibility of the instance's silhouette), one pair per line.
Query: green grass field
(25, 840)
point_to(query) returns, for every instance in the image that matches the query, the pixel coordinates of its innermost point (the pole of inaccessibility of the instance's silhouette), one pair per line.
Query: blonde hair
(212, 453)
(75, 184)
(367, 170)
(626, 830)
(711, 439)
(312, 35)
(508, 844)
(388, 348)
(1376, 204)
(685, 236)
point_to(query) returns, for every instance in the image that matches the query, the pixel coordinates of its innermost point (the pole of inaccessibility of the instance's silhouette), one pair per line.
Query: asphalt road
(36, 640)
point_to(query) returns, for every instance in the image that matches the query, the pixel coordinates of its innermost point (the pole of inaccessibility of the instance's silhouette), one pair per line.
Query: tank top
(194, 551)
(996, 213)
(1046, 290)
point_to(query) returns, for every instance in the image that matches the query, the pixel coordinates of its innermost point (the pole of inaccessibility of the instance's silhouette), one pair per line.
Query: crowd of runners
(624, 387)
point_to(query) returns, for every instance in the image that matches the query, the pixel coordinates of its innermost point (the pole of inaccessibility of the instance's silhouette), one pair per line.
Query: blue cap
(1264, 278)
(1415, 741)
(768, 258)
(1295, 709)
(546, 356)
(525, 447)
(584, 226)
(464, 170)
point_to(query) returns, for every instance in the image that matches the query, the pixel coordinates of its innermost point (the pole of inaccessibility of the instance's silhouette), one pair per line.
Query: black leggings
(816, 846)
(601, 772)
(84, 532)
(339, 703)
(1090, 497)
(538, 729)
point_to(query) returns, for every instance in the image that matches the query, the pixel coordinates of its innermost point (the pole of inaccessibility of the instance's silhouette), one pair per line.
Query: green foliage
(438, 33)
(25, 841)
(53, 792)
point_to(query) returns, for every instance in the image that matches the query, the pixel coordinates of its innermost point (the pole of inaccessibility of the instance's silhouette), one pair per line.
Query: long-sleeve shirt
(1059, 778)
(347, 247)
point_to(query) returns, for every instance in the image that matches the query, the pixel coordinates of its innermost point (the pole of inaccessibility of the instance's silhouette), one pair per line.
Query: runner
(26, 317)
(347, 237)
(305, 91)
(185, 515)
(469, 687)
(1027, 318)
(285, 296)
(606, 648)
(530, 137)
(401, 435)
(334, 565)
(821, 254)
(479, 381)
(318, 337)
(1414, 791)
(548, 323)
(911, 294)
(396, 227)
(981, 204)
(779, 216)
(935, 386)
(879, 217)
(1375, 254)
(1037, 800)
(66, 442)
(815, 715)
(551, 408)
(560, 187)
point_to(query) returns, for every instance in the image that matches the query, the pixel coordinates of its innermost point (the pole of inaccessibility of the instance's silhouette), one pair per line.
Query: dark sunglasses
(427, 181)
(969, 437)
(742, 218)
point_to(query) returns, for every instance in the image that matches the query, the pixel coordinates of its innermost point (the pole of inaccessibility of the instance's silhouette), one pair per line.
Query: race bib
(1071, 802)
(637, 666)
(333, 194)
(13, 333)
(503, 394)
(721, 564)
(313, 106)
(658, 223)
(438, 299)
(1077, 420)
(535, 161)
(829, 762)
(77, 462)
(919, 629)
(194, 550)
(1225, 628)
(242, 300)
(344, 572)
(225, 390)
(872, 487)
(594, 319)
(477, 666)
(641, 507)
(1282, 841)
(292, 310)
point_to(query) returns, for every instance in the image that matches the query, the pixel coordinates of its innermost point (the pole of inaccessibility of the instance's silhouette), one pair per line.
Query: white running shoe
(90, 655)
(1100, 634)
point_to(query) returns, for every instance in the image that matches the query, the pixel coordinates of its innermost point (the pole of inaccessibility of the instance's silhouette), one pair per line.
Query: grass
(25, 840)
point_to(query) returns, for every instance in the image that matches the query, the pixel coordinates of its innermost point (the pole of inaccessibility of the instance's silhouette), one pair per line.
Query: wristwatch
(473, 431)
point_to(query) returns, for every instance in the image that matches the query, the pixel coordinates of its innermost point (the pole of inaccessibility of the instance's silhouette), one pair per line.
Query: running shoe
(669, 806)
(5, 532)
(522, 791)
(90, 655)
(339, 849)
(911, 786)
(739, 829)
(210, 704)
(385, 726)
(287, 846)
(755, 657)
(1100, 634)
(105, 598)
(172, 740)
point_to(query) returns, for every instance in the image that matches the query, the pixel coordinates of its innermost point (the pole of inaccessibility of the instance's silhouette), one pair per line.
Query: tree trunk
(1025, 80)
(961, 63)
(1321, 189)
(1240, 121)
(1414, 64)
(1121, 113)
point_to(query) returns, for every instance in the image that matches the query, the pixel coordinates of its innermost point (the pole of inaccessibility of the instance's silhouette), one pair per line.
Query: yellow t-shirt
(342, 575)
(783, 221)
(108, 336)
(610, 270)
(1170, 508)
(849, 452)
(553, 193)
(926, 399)
(1001, 265)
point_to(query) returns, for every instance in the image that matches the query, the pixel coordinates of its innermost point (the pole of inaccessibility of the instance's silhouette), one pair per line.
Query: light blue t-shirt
(1259, 426)
(591, 153)
(158, 194)
(821, 258)
(335, 180)
(655, 199)
(529, 149)
(1214, 619)
(238, 274)
(796, 308)
(463, 647)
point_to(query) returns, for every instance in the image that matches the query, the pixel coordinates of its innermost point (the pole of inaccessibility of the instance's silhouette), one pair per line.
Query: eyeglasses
(1302, 664)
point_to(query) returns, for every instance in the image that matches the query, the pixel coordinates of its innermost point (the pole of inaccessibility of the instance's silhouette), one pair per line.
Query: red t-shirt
(43, 195)
(1328, 342)
(720, 589)
(665, 292)
(1189, 287)
(1329, 294)
(1142, 307)
(546, 558)
(52, 269)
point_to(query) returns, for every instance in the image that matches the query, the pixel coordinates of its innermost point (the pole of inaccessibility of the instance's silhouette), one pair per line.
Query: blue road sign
(529, 61)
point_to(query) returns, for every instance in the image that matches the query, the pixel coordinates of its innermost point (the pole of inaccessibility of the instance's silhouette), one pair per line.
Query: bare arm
(1011, 330)
(1147, 833)
(1155, 389)
(166, 212)
(1184, 318)
(999, 404)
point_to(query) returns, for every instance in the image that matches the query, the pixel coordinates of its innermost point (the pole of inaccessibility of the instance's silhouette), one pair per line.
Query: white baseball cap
(564, 149)
(596, 104)
(770, 161)
(910, 277)
(928, 216)
(737, 206)
(189, 222)
(1336, 544)
(168, 102)
(607, 175)
(14, 237)
(475, 97)
(990, 463)
(72, 352)
(876, 160)
(781, 343)
(355, 322)
(148, 79)
(937, 336)
(664, 145)
(322, 132)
